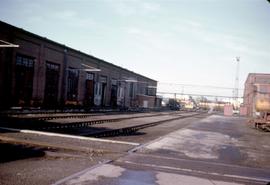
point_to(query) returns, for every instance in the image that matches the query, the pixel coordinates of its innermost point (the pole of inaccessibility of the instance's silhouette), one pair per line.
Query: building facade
(44, 73)
(257, 85)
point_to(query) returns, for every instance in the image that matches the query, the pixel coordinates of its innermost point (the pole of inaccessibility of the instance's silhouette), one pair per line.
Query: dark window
(72, 85)
(89, 76)
(143, 90)
(151, 91)
(52, 66)
(114, 93)
(89, 89)
(51, 85)
(131, 89)
(24, 80)
(24, 61)
(103, 81)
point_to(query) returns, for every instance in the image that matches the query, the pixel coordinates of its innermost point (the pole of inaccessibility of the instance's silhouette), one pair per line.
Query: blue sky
(181, 41)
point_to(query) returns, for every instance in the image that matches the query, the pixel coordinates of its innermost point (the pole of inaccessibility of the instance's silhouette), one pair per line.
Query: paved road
(215, 150)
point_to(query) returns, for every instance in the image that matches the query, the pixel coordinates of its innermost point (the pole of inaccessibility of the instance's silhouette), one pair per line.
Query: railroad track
(81, 124)
(52, 116)
(119, 128)
(33, 112)
(100, 131)
(45, 118)
(55, 116)
(41, 122)
(131, 129)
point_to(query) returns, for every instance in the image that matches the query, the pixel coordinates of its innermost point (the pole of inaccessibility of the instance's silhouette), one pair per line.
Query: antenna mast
(236, 85)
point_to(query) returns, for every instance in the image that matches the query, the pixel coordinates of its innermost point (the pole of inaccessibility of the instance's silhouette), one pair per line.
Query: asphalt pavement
(203, 149)
(214, 150)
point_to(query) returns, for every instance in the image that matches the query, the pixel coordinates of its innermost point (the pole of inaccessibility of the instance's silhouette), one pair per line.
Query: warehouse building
(44, 73)
(257, 85)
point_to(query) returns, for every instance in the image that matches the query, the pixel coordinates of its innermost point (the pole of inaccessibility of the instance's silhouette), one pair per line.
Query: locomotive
(262, 107)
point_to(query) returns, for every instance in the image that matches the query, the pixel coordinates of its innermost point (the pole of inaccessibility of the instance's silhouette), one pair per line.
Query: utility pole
(236, 85)
(182, 97)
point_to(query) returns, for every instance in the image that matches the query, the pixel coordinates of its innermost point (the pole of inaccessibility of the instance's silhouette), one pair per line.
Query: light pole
(236, 85)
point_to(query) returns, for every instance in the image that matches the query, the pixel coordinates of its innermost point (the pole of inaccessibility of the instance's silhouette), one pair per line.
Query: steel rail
(132, 129)
(82, 124)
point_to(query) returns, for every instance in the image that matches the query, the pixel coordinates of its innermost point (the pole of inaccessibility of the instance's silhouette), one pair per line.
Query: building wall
(5, 73)
(43, 50)
(145, 101)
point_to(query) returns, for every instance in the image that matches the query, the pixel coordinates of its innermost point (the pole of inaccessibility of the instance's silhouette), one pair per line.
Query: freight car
(262, 106)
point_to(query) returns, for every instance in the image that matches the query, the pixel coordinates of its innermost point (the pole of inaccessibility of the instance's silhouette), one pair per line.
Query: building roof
(2, 24)
(257, 74)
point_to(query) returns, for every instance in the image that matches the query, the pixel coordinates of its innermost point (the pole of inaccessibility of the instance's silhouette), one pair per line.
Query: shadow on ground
(11, 152)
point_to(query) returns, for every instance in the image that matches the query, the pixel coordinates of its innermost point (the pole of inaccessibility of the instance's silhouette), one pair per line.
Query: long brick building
(43, 73)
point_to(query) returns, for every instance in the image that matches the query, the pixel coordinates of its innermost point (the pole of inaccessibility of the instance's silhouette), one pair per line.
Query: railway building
(257, 86)
(44, 73)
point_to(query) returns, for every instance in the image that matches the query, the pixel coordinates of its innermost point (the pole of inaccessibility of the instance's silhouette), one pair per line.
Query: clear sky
(180, 41)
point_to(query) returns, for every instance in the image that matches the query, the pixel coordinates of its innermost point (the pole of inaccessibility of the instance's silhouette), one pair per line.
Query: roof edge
(67, 47)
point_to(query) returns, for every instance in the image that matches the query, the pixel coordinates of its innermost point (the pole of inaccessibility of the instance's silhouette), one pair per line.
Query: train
(262, 108)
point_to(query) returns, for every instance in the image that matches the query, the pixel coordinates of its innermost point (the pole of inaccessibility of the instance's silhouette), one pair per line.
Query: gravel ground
(47, 169)
(28, 164)
(69, 142)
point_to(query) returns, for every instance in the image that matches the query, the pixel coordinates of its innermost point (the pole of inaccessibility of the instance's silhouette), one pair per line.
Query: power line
(188, 94)
(195, 85)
